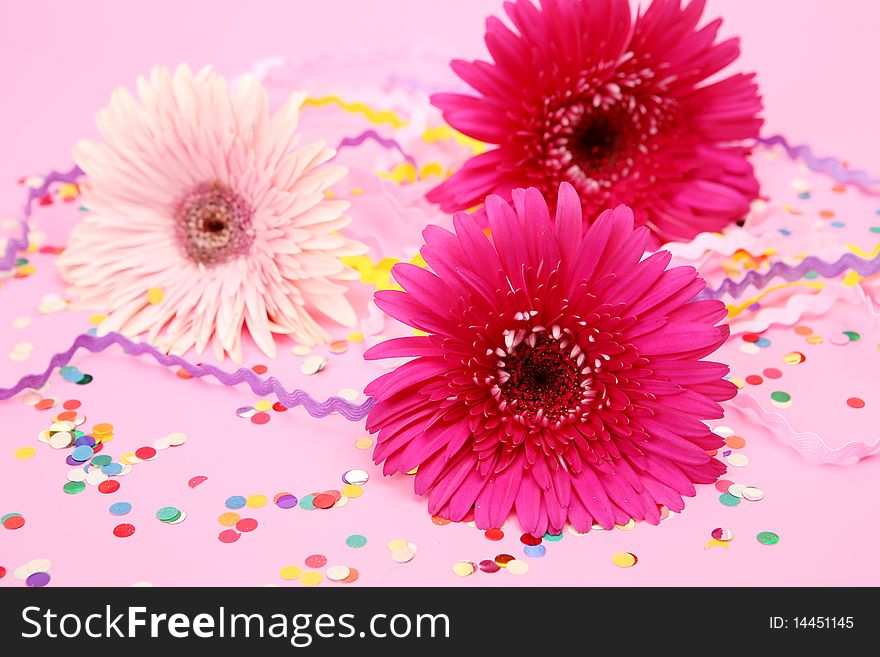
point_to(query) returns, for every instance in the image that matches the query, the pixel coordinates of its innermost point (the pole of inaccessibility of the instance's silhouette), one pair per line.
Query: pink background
(817, 65)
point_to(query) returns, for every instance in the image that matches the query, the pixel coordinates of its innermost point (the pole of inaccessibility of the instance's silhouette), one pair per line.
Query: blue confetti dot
(763, 343)
(785, 232)
(82, 453)
(112, 469)
(120, 508)
(804, 195)
(838, 224)
(535, 551)
(235, 502)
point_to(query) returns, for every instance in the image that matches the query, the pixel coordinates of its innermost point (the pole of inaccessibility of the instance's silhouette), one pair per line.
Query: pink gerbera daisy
(207, 215)
(561, 376)
(623, 111)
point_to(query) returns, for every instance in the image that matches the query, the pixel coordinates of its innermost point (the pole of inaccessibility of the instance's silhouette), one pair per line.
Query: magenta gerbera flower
(622, 110)
(561, 375)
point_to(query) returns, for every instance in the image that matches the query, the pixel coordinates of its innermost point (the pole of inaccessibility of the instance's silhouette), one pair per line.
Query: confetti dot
(855, 402)
(108, 486)
(313, 365)
(735, 442)
(260, 417)
(503, 559)
(721, 534)
(738, 460)
(316, 561)
(363, 443)
(246, 525)
(145, 453)
(624, 559)
(794, 358)
(752, 493)
(259, 369)
(517, 567)
(13, 521)
(768, 538)
(359, 477)
(528, 539)
(323, 501)
(307, 502)
(729, 500)
(228, 519)
(754, 380)
(290, 572)
(24, 453)
(494, 534)
(535, 551)
(772, 373)
(311, 578)
(263, 405)
(286, 501)
(235, 502)
(352, 490)
(780, 399)
(123, 530)
(723, 485)
(356, 541)
(749, 348)
(168, 513)
(38, 579)
(403, 555)
(229, 536)
(338, 573)
(256, 501)
(463, 568)
(195, 481)
(489, 566)
(120, 508)
(437, 520)
(74, 487)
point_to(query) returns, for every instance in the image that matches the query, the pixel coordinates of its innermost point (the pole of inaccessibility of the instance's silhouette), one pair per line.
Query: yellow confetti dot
(356, 191)
(366, 442)
(21, 322)
(463, 568)
(413, 471)
(155, 295)
(129, 458)
(738, 382)
(352, 490)
(97, 319)
(397, 544)
(290, 572)
(68, 190)
(628, 526)
(355, 336)
(102, 427)
(256, 501)
(25, 453)
(624, 559)
(263, 405)
(311, 578)
(228, 519)
(815, 339)
(26, 270)
(850, 279)
(714, 543)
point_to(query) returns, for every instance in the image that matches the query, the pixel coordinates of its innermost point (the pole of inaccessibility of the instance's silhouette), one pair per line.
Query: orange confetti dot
(259, 369)
(826, 214)
(803, 330)
(437, 520)
(494, 534)
(736, 442)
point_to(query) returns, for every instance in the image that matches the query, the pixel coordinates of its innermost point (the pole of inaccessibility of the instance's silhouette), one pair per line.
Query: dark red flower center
(542, 379)
(595, 141)
(213, 223)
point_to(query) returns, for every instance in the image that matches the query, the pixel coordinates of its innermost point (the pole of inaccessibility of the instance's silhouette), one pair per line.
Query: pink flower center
(542, 378)
(213, 223)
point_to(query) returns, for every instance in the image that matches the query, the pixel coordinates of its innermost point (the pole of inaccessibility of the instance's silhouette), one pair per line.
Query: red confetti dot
(108, 486)
(2, 572)
(44, 404)
(855, 402)
(229, 536)
(528, 539)
(46, 200)
(751, 337)
(323, 501)
(316, 561)
(489, 566)
(246, 525)
(772, 373)
(145, 453)
(14, 522)
(278, 407)
(97, 447)
(259, 369)
(335, 494)
(260, 417)
(195, 481)
(123, 530)
(754, 380)
(723, 485)
(72, 404)
(494, 534)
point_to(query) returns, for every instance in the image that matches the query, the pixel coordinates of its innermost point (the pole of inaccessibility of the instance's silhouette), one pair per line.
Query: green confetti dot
(168, 513)
(728, 500)
(101, 460)
(874, 229)
(810, 275)
(553, 538)
(852, 335)
(779, 396)
(768, 538)
(356, 541)
(307, 502)
(74, 487)
(8, 516)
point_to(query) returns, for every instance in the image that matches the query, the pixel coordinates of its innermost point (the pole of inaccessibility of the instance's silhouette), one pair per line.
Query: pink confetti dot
(316, 561)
